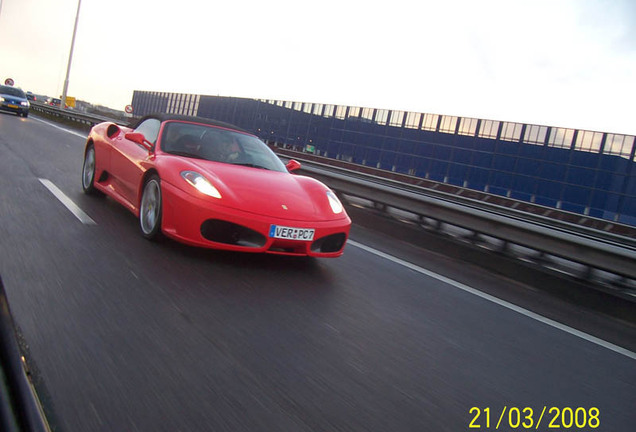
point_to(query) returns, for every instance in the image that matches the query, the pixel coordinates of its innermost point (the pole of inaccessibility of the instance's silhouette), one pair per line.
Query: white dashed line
(68, 203)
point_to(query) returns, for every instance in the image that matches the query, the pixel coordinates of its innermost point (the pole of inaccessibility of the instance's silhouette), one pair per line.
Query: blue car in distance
(13, 99)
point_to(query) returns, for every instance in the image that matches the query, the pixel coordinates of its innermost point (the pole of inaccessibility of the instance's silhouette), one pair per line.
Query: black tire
(88, 172)
(150, 209)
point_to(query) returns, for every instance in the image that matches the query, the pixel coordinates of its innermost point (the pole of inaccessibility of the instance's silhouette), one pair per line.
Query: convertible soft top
(164, 117)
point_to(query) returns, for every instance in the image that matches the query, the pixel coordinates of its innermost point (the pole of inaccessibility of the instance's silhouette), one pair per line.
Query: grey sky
(558, 63)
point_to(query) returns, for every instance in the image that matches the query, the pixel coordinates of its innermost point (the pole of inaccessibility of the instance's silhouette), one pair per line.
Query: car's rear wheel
(88, 172)
(150, 209)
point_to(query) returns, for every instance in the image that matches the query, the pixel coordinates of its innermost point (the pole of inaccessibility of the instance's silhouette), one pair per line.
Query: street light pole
(70, 57)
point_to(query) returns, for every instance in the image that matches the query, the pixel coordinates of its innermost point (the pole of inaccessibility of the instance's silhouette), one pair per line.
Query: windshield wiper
(251, 165)
(186, 154)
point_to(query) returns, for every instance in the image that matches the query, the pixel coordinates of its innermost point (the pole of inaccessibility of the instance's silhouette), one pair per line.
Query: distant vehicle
(54, 102)
(30, 96)
(210, 184)
(14, 100)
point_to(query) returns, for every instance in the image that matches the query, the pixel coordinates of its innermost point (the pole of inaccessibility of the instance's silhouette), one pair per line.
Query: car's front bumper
(14, 108)
(203, 223)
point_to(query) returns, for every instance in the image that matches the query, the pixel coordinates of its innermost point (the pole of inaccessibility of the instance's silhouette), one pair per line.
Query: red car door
(126, 168)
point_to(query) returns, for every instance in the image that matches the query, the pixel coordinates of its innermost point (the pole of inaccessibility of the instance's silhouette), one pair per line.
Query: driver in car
(229, 150)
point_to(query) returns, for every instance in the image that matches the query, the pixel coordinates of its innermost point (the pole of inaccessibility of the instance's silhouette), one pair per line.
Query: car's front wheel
(150, 209)
(88, 172)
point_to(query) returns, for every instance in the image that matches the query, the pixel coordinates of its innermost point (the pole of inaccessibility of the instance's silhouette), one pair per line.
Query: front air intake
(330, 243)
(221, 231)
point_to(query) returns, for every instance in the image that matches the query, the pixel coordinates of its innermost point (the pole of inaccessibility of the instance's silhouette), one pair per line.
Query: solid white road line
(68, 203)
(61, 128)
(510, 306)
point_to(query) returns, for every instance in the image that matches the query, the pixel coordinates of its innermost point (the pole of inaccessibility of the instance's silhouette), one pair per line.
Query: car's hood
(269, 193)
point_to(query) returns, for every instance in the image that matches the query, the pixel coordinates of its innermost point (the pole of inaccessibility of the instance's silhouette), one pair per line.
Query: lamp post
(70, 57)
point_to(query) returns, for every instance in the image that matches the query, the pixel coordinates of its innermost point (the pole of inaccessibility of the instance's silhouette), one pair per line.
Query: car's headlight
(1, 99)
(200, 183)
(334, 202)
(25, 103)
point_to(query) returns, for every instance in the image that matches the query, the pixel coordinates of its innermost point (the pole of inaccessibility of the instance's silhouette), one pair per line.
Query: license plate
(290, 233)
(13, 106)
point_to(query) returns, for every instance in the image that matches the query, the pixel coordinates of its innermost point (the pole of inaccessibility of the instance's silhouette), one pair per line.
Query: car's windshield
(217, 144)
(12, 91)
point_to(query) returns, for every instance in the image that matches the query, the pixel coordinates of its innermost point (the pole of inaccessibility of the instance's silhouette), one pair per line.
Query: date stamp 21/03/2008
(530, 418)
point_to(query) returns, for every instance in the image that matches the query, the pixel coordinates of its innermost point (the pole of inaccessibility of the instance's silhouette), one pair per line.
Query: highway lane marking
(61, 128)
(510, 306)
(68, 203)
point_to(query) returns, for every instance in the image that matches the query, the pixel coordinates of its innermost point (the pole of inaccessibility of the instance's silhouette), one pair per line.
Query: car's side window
(150, 129)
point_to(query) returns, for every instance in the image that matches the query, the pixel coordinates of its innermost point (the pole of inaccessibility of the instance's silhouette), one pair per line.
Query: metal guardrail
(526, 208)
(82, 119)
(592, 248)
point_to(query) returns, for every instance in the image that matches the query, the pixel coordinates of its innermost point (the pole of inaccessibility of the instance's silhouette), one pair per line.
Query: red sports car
(211, 184)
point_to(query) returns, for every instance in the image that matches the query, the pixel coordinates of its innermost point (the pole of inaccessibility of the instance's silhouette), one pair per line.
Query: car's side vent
(112, 131)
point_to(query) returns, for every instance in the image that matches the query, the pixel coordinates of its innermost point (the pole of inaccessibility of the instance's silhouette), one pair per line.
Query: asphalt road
(128, 335)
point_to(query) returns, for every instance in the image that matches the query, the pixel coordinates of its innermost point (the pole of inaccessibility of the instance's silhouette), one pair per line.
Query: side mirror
(293, 165)
(139, 138)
